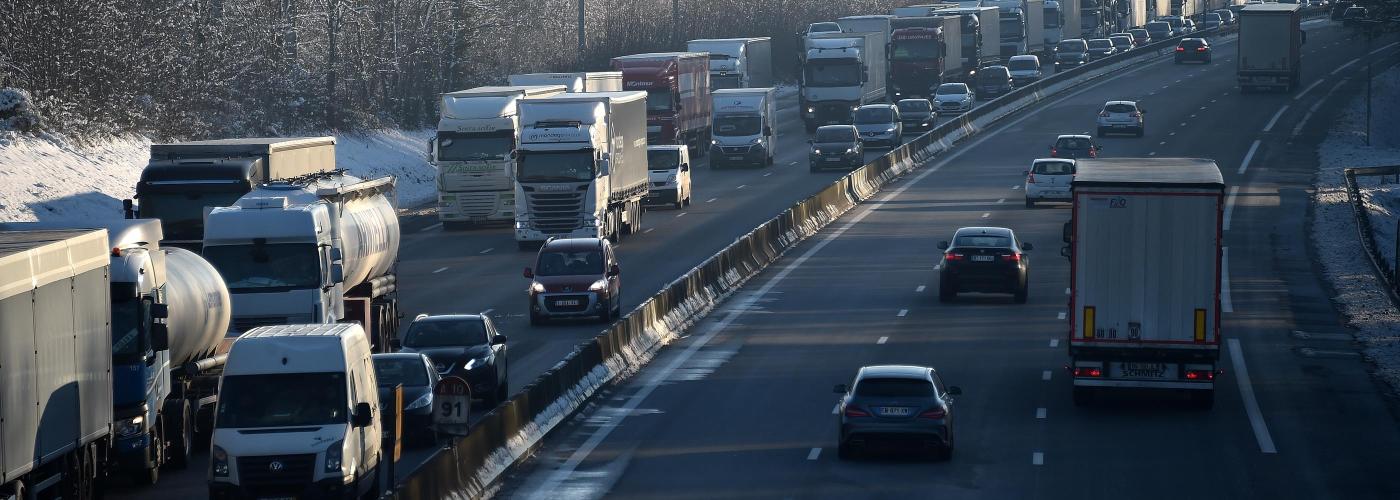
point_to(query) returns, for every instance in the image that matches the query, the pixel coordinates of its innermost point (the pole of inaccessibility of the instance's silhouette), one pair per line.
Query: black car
(416, 373)
(1193, 50)
(1073, 52)
(836, 146)
(896, 406)
(984, 259)
(1100, 48)
(466, 346)
(1353, 16)
(917, 114)
(1074, 146)
(993, 81)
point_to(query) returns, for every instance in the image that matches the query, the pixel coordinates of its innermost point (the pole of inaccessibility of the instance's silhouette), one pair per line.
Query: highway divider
(1390, 275)
(471, 466)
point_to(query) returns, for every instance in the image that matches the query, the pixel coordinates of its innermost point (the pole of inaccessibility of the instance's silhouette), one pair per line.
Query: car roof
(572, 244)
(877, 106)
(1072, 136)
(836, 127)
(992, 231)
(1052, 160)
(1024, 57)
(397, 355)
(894, 371)
(911, 100)
(447, 317)
(1131, 103)
(1100, 40)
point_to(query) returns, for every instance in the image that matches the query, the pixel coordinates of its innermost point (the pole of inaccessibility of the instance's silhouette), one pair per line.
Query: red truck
(678, 95)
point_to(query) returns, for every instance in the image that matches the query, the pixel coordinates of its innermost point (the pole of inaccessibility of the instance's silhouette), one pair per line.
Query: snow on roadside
(1360, 294)
(53, 178)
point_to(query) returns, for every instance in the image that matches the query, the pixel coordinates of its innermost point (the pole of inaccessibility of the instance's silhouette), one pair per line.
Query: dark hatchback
(984, 259)
(836, 146)
(1074, 146)
(994, 81)
(896, 406)
(917, 114)
(466, 346)
(418, 376)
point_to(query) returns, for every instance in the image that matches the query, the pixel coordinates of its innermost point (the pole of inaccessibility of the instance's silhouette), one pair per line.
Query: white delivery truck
(1270, 47)
(300, 417)
(882, 27)
(1145, 267)
(582, 81)
(840, 74)
(472, 151)
(745, 121)
(737, 63)
(581, 168)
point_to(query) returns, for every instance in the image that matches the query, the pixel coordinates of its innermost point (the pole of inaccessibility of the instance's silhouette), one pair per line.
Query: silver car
(879, 124)
(952, 98)
(1121, 117)
(896, 406)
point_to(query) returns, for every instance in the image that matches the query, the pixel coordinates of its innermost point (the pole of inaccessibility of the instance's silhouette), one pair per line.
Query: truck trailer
(583, 81)
(1144, 243)
(924, 52)
(678, 96)
(840, 74)
(1270, 47)
(737, 63)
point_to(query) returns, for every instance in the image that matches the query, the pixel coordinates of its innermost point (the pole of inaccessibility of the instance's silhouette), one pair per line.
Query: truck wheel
(1083, 396)
(1202, 400)
(180, 427)
(151, 476)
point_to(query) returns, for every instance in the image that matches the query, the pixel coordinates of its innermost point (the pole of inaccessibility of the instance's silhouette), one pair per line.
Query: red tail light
(953, 256)
(933, 413)
(852, 411)
(1200, 375)
(1011, 257)
(1135, 114)
(1080, 371)
(1181, 49)
(1200, 49)
(1103, 114)
(1030, 178)
(1054, 152)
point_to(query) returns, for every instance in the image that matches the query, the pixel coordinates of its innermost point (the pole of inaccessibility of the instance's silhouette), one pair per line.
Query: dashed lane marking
(882, 340)
(1037, 458)
(812, 455)
(682, 214)
(486, 251)
(1305, 91)
(1054, 342)
(1272, 121)
(650, 229)
(1061, 315)
(431, 228)
(920, 289)
(1045, 375)
(1040, 413)
(440, 269)
(903, 313)
(711, 200)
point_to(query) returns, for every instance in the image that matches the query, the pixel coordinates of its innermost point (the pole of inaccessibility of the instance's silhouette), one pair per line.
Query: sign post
(452, 400)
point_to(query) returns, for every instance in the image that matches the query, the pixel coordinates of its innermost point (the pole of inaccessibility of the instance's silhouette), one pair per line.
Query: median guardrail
(1388, 274)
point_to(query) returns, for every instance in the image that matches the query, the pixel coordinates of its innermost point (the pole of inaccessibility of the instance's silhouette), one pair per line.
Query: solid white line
(1377, 51)
(1344, 66)
(882, 340)
(1163, 143)
(441, 269)
(1040, 413)
(1045, 375)
(903, 313)
(486, 251)
(1230, 207)
(1249, 155)
(794, 162)
(711, 200)
(1054, 342)
(430, 228)
(812, 455)
(1060, 316)
(1225, 303)
(1305, 91)
(682, 214)
(919, 289)
(1270, 126)
(1037, 458)
(650, 229)
(1323, 100)
(1251, 405)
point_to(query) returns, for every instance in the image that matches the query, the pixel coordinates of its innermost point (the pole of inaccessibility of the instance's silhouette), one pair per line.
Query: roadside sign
(452, 401)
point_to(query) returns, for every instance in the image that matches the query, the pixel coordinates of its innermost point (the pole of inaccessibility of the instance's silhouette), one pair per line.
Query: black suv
(463, 345)
(1073, 52)
(984, 259)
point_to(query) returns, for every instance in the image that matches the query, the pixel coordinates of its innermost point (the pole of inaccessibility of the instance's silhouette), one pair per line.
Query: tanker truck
(318, 249)
(169, 315)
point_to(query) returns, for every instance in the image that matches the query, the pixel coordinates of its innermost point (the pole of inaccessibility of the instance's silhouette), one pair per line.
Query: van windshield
(570, 263)
(282, 400)
(663, 159)
(1023, 65)
(738, 125)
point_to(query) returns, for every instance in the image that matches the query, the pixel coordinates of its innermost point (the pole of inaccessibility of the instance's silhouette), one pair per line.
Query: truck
(745, 125)
(583, 81)
(1061, 21)
(1094, 18)
(737, 63)
(581, 168)
(183, 181)
(678, 96)
(882, 26)
(56, 425)
(981, 32)
(476, 137)
(1144, 243)
(169, 315)
(1131, 14)
(924, 53)
(1270, 47)
(316, 249)
(1021, 25)
(840, 74)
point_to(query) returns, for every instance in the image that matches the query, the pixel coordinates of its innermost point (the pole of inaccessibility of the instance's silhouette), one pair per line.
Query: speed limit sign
(452, 398)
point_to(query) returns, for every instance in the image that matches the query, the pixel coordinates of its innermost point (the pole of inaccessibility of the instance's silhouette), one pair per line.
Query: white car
(669, 174)
(1121, 117)
(953, 98)
(1049, 180)
(1025, 69)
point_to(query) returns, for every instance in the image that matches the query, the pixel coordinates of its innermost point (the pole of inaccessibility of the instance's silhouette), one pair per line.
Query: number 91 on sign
(452, 400)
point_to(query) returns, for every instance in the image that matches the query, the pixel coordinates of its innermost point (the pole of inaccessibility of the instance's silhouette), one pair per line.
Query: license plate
(1120, 125)
(567, 302)
(1145, 370)
(833, 159)
(981, 258)
(736, 158)
(895, 411)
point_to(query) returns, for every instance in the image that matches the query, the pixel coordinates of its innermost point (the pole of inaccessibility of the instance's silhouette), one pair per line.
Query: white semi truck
(737, 63)
(581, 167)
(1022, 26)
(1144, 243)
(842, 71)
(319, 249)
(583, 81)
(476, 138)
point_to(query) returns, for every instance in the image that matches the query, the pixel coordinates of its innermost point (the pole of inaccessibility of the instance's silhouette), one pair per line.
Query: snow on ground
(1359, 292)
(53, 178)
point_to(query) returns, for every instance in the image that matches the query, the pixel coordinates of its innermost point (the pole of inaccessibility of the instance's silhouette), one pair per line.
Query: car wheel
(1022, 293)
(536, 319)
(605, 317)
(844, 451)
(680, 202)
(1141, 131)
(502, 392)
(1202, 400)
(947, 291)
(1083, 396)
(1030, 203)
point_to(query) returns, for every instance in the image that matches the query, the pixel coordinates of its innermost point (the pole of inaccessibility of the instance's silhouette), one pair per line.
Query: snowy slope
(53, 178)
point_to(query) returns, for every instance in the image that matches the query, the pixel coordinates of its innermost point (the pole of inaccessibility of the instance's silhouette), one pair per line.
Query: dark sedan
(984, 259)
(466, 346)
(415, 372)
(835, 146)
(1072, 52)
(896, 406)
(917, 114)
(1100, 48)
(1193, 50)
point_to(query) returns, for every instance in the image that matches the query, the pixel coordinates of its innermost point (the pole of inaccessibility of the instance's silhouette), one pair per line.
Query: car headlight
(333, 456)
(537, 287)
(424, 400)
(891, 129)
(811, 110)
(816, 151)
(850, 150)
(598, 286)
(131, 427)
(714, 142)
(219, 462)
(854, 108)
(474, 363)
(519, 225)
(758, 141)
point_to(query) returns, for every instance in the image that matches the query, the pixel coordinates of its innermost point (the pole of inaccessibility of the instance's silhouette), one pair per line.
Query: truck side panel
(18, 400)
(760, 62)
(628, 129)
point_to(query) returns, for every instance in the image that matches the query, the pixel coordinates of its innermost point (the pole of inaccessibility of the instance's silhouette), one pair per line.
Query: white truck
(744, 126)
(56, 426)
(1061, 21)
(583, 81)
(981, 32)
(581, 167)
(320, 249)
(472, 151)
(842, 72)
(1022, 26)
(1144, 243)
(737, 63)
(1270, 47)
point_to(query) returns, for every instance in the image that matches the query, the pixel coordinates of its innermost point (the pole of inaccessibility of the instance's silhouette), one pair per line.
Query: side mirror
(839, 389)
(685, 167)
(362, 416)
(160, 337)
(615, 270)
(942, 245)
(337, 273)
(954, 390)
(498, 339)
(396, 343)
(767, 130)
(160, 311)
(1027, 246)
(529, 273)
(1066, 252)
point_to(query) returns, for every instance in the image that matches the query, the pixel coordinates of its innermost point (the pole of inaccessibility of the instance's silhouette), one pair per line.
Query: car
(1049, 180)
(1140, 36)
(1100, 48)
(1072, 52)
(1122, 42)
(984, 259)
(916, 114)
(668, 171)
(895, 406)
(1353, 16)
(1227, 17)
(575, 278)
(879, 124)
(1159, 30)
(1121, 116)
(416, 373)
(1074, 146)
(1211, 21)
(994, 81)
(1188, 26)
(467, 346)
(1024, 69)
(1178, 28)
(835, 146)
(953, 98)
(823, 27)
(1339, 10)
(1193, 49)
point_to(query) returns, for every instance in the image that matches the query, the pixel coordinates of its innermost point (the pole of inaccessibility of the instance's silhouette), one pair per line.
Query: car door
(498, 350)
(614, 281)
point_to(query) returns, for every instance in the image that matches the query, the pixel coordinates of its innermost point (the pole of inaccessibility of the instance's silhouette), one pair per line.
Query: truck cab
(744, 127)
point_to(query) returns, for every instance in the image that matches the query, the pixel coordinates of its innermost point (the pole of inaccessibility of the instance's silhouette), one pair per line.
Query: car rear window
(1023, 64)
(1072, 46)
(1158, 26)
(1072, 143)
(1211, 17)
(838, 134)
(1119, 108)
(894, 388)
(1054, 168)
(1122, 40)
(1100, 43)
(1192, 43)
(982, 240)
(1138, 33)
(993, 74)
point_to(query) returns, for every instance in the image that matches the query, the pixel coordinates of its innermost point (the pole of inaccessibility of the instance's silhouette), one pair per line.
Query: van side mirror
(362, 416)
(160, 337)
(1067, 232)
(129, 209)
(685, 167)
(529, 273)
(498, 339)
(942, 245)
(767, 130)
(839, 389)
(615, 270)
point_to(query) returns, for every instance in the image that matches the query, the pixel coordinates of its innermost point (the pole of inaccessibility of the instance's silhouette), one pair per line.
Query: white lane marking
(1037, 458)
(1225, 303)
(1203, 108)
(903, 313)
(1270, 126)
(1212, 100)
(486, 251)
(430, 228)
(812, 455)
(794, 162)
(1171, 133)
(682, 214)
(1000, 201)
(1230, 207)
(1193, 115)
(1251, 405)
(882, 340)
(1377, 51)
(1163, 143)
(936, 266)
(771, 173)
(711, 200)
(1323, 100)
(1151, 153)
(986, 214)
(919, 289)
(650, 229)
(1305, 91)
(1061, 315)
(1249, 155)
(1045, 375)
(742, 186)
(440, 269)
(1344, 66)
(1016, 187)
(1040, 413)
(1054, 342)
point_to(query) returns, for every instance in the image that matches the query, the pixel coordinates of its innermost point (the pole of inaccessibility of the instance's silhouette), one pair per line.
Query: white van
(742, 127)
(297, 415)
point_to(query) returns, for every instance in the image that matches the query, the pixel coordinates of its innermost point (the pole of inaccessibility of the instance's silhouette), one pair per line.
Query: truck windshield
(555, 166)
(724, 82)
(282, 400)
(182, 214)
(845, 74)
(738, 125)
(126, 327)
(659, 100)
(1011, 29)
(457, 146)
(570, 263)
(906, 50)
(254, 268)
(1052, 18)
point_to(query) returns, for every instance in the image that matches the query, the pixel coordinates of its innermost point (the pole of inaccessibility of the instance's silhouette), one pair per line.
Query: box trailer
(1270, 47)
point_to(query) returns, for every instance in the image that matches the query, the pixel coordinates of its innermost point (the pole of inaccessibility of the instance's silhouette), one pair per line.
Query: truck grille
(276, 474)
(735, 150)
(557, 212)
(476, 204)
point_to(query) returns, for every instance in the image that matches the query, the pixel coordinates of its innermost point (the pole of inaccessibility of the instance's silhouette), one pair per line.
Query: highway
(742, 407)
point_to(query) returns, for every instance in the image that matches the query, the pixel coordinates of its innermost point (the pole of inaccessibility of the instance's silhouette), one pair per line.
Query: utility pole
(581, 42)
(675, 22)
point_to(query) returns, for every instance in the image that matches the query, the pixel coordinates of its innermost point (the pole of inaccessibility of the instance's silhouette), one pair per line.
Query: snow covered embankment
(1360, 294)
(53, 179)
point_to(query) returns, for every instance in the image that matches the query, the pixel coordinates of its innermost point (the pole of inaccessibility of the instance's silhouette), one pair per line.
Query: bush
(17, 110)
